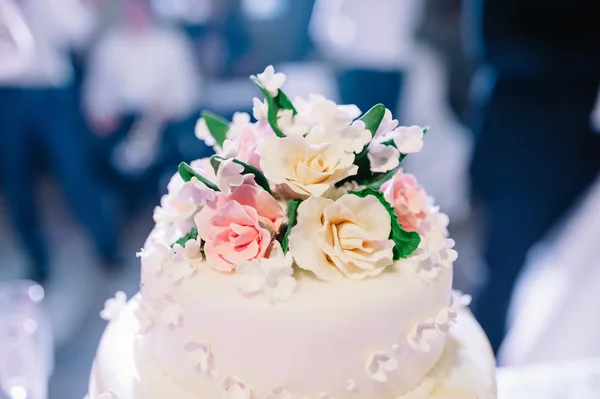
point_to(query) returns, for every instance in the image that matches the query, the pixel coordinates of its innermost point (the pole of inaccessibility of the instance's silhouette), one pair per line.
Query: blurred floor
(77, 289)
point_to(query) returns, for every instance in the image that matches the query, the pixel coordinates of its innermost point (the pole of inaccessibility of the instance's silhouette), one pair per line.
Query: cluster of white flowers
(271, 276)
(200, 356)
(164, 308)
(435, 251)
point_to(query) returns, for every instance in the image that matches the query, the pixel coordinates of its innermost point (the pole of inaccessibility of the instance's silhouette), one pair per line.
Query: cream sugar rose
(300, 261)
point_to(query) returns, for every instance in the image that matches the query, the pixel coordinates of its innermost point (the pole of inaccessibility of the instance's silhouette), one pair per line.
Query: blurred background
(99, 98)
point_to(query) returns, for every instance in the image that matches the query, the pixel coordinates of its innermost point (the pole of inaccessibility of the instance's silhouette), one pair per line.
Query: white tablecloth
(568, 380)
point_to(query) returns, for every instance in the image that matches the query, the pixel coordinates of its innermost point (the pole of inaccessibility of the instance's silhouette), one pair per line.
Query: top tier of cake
(299, 261)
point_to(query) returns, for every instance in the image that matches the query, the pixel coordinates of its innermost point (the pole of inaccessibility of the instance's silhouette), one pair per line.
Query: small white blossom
(168, 309)
(292, 125)
(114, 306)
(236, 388)
(408, 140)
(231, 148)
(272, 276)
(459, 299)
(144, 314)
(435, 251)
(279, 392)
(200, 355)
(184, 261)
(202, 133)
(388, 123)
(378, 364)
(271, 81)
(229, 175)
(196, 192)
(259, 109)
(383, 157)
(355, 136)
(422, 335)
(444, 319)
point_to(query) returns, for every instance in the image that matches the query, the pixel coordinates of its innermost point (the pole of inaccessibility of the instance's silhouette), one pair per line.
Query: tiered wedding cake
(298, 262)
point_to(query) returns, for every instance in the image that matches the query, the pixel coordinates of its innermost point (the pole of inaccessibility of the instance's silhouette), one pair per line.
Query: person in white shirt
(369, 43)
(38, 107)
(140, 68)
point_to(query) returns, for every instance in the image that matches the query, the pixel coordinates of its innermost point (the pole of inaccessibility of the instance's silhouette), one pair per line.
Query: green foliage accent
(274, 104)
(192, 235)
(292, 215)
(377, 179)
(372, 120)
(259, 177)
(217, 126)
(187, 172)
(406, 241)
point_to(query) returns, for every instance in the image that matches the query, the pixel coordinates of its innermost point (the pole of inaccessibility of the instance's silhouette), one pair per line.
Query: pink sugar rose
(408, 199)
(239, 227)
(250, 136)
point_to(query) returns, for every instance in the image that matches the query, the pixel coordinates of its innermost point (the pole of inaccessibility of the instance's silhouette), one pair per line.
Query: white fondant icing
(253, 339)
(465, 369)
(350, 385)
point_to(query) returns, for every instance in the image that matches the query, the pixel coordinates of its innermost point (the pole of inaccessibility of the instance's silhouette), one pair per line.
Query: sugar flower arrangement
(297, 187)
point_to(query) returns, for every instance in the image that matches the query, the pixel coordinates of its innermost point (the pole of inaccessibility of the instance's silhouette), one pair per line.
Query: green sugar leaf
(406, 242)
(292, 215)
(372, 120)
(259, 177)
(192, 235)
(217, 127)
(187, 172)
(274, 104)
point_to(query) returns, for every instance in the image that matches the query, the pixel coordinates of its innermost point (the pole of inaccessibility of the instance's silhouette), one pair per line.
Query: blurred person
(37, 106)
(536, 151)
(369, 44)
(142, 84)
(17, 48)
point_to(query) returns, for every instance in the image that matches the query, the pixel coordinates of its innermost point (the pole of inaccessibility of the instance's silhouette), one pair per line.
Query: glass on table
(26, 350)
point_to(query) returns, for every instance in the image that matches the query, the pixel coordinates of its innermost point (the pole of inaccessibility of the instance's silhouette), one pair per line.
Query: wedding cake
(300, 261)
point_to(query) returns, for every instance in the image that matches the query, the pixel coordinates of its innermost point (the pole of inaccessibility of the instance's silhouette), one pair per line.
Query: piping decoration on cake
(200, 355)
(279, 392)
(236, 388)
(378, 364)
(114, 306)
(271, 276)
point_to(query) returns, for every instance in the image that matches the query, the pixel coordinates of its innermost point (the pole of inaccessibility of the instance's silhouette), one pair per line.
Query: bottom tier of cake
(466, 369)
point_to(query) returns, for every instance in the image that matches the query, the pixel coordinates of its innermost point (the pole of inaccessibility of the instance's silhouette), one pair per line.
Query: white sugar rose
(348, 237)
(305, 169)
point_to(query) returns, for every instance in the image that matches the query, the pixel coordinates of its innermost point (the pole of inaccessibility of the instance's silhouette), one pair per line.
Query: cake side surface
(466, 368)
(315, 342)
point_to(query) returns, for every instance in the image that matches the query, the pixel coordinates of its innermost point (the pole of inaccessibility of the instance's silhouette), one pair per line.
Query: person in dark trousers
(38, 109)
(536, 152)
